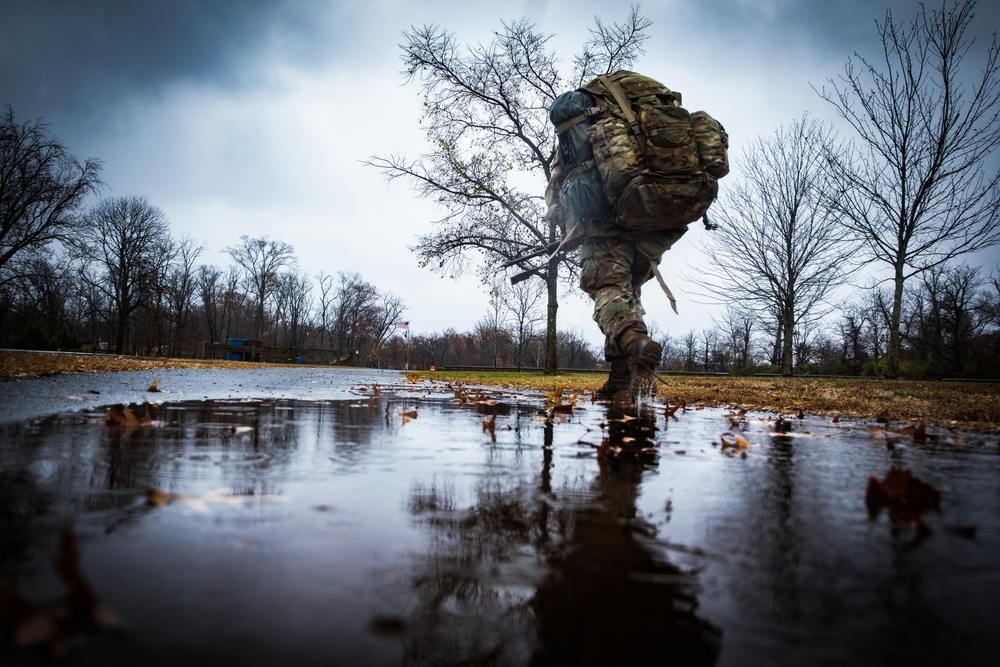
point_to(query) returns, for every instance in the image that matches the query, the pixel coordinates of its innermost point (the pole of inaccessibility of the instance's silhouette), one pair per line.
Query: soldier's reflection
(609, 597)
(606, 594)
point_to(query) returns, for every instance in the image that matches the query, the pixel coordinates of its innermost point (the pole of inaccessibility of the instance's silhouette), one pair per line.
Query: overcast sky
(253, 116)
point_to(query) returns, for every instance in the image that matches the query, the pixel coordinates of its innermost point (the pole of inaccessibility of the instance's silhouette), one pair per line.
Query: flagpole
(405, 326)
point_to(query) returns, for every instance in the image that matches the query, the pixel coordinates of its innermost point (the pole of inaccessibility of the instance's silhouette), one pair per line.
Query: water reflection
(572, 575)
(421, 529)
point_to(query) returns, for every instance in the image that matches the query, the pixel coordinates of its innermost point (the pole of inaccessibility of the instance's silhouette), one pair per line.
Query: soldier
(633, 169)
(615, 264)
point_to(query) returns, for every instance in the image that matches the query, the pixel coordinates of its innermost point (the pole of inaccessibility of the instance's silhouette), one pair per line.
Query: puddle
(415, 527)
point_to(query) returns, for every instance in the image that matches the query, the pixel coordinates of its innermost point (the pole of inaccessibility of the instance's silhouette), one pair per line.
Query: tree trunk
(787, 340)
(893, 353)
(551, 342)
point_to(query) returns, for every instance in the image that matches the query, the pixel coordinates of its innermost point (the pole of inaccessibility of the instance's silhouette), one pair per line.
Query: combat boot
(643, 355)
(619, 382)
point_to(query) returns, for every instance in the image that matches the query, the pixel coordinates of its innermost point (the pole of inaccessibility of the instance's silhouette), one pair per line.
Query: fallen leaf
(734, 441)
(155, 387)
(199, 504)
(916, 431)
(905, 497)
(490, 423)
(902, 490)
(57, 625)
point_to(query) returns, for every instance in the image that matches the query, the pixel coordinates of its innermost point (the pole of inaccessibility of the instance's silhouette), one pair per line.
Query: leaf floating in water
(121, 415)
(121, 418)
(199, 504)
(916, 431)
(737, 419)
(672, 408)
(490, 423)
(904, 495)
(734, 441)
(55, 626)
(155, 387)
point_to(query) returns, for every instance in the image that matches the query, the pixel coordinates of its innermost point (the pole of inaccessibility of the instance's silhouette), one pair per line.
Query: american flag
(402, 325)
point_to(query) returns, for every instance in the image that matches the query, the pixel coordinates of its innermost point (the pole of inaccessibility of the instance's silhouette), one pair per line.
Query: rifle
(568, 242)
(547, 249)
(535, 252)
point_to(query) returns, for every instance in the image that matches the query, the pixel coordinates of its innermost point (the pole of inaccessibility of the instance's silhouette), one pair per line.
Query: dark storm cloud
(68, 59)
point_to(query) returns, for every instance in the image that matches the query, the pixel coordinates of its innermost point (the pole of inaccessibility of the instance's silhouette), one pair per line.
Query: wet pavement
(304, 517)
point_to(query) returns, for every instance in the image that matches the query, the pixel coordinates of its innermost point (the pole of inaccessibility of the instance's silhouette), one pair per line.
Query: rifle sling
(663, 284)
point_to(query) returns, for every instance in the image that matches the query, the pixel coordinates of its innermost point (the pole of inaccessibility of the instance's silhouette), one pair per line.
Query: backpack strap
(619, 94)
(586, 165)
(587, 113)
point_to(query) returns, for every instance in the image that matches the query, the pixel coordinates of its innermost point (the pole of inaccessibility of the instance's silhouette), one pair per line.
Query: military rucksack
(634, 156)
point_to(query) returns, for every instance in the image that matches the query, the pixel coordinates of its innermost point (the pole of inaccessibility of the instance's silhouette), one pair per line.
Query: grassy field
(973, 405)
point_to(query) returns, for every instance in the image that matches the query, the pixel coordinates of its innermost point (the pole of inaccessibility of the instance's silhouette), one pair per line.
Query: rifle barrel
(539, 250)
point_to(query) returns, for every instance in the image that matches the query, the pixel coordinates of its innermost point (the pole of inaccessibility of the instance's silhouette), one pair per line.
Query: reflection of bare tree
(534, 573)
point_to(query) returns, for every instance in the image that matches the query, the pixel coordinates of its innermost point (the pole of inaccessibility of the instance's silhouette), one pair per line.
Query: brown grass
(19, 364)
(972, 405)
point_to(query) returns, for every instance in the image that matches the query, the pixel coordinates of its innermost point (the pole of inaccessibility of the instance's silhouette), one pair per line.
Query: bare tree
(355, 308)
(387, 314)
(492, 330)
(486, 109)
(521, 302)
(689, 344)
(42, 188)
(575, 351)
(777, 249)
(917, 189)
(181, 286)
(123, 241)
(261, 259)
(324, 309)
(38, 305)
(292, 296)
(209, 285)
(943, 316)
(223, 303)
(738, 325)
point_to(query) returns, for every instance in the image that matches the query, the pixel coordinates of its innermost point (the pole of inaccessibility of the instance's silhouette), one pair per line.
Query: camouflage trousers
(613, 271)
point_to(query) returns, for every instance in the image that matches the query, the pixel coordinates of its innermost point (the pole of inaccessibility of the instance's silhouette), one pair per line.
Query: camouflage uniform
(658, 167)
(615, 264)
(613, 270)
